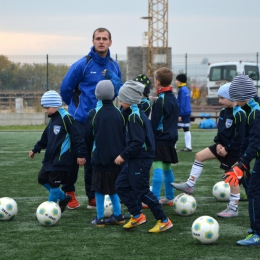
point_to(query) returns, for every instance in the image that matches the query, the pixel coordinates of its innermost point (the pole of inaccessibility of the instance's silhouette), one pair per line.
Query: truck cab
(221, 73)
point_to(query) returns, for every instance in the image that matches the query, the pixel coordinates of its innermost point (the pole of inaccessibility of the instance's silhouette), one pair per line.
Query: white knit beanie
(223, 91)
(105, 90)
(51, 98)
(242, 88)
(131, 92)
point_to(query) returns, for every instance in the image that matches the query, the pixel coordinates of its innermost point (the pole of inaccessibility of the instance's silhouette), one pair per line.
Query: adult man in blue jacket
(78, 92)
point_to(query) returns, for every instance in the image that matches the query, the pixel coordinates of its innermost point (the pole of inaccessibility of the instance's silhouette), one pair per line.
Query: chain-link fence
(24, 78)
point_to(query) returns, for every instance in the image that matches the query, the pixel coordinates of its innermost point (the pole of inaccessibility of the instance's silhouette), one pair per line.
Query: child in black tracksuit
(132, 184)
(243, 91)
(105, 127)
(229, 138)
(57, 139)
(164, 119)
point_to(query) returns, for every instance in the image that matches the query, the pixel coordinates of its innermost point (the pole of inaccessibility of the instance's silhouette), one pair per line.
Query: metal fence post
(257, 68)
(186, 63)
(47, 72)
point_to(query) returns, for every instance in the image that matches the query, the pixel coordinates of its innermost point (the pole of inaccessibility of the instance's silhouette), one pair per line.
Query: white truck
(221, 73)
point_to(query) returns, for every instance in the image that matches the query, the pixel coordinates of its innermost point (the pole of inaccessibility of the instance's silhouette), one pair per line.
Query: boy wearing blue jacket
(78, 92)
(105, 128)
(57, 138)
(132, 184)
(185, 110)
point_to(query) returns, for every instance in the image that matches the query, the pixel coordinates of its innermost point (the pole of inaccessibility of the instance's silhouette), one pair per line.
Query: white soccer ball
(205, 230)
(48, 213)
(221, 191)
(8, 208)
(108, 207)
(184, 204)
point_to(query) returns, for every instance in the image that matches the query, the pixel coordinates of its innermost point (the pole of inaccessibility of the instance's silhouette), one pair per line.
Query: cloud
(30, 43)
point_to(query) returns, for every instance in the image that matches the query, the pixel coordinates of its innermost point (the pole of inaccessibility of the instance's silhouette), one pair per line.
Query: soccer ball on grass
(184, 204)
(8, 208)
(205, 230)
(48, 213)
(221, 191)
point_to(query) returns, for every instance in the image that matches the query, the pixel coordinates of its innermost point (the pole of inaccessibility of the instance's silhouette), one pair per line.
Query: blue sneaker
(250, 240)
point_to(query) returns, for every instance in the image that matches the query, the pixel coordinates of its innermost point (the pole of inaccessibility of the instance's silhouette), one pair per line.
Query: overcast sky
(65, 27)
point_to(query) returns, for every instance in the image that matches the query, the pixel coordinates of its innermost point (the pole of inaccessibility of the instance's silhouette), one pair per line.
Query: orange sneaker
(134, 222)
(73, 204)
(92, 204)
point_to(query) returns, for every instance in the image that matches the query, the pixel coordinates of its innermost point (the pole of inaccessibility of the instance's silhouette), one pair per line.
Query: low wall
(23, 119)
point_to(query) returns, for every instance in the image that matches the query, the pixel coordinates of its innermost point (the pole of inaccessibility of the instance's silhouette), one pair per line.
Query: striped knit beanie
(242, 88)
(51, 98)
(223, 91)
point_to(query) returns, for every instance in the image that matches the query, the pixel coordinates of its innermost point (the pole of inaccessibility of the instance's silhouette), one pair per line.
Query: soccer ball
(205, 230)
(108, 207)
(221, 191)
(184, 204)
(8, 208)
(48, 213)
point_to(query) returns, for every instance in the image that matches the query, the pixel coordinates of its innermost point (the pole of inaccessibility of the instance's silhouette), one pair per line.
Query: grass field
(74, 238)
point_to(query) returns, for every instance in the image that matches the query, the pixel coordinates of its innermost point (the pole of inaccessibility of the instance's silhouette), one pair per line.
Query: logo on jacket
(228, 123)
(56, 129)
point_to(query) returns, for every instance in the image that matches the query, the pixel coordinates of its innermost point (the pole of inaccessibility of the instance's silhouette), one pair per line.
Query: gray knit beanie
(131, 92)
(223, 91)
(242, 88)
(51, 98)
(105, 90)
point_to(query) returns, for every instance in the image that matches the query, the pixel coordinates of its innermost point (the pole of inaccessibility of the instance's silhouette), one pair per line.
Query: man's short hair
(102, 30)
(164, 75)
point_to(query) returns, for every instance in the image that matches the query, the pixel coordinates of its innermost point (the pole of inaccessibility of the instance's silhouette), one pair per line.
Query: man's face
(101, 43)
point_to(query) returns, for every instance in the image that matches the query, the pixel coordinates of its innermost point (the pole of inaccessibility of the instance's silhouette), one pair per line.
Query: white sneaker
(183, 186)
(165, 201)
(228, 213)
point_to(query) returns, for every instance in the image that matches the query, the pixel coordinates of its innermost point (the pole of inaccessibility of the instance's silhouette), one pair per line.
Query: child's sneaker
(144, 206)
(183, 186)
(185, 149)
(250, 240)
(165, 201)
(134, 222)
(63, 203)
(92, 204)
(98, 222)
(228, 213)
(161, 226)
(73, 204)
(115, 220)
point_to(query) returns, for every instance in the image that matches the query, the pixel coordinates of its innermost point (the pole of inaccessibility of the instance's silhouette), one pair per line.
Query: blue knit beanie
(51, 98)
(223, 91)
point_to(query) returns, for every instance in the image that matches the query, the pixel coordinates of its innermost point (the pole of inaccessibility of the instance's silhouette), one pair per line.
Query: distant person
(105, 127)
(164, 119)
(132, 184)
(57, 140)
(228, 141)
(185, 110)
(78, 92)
(243, 91)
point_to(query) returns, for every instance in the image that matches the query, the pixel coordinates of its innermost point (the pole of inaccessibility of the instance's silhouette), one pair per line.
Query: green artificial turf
(74, 238)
